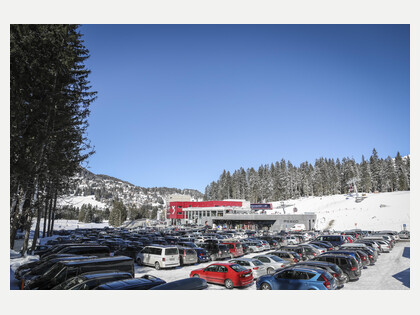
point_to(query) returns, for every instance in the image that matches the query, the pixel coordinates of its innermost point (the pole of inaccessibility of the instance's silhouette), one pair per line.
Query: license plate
(172, 259)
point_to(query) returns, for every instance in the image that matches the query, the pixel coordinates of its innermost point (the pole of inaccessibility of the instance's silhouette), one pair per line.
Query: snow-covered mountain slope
(380, 211)
(100, 190)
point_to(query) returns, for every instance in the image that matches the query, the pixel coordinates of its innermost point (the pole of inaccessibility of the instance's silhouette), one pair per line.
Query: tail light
(353, 269)
(363, 258)
(295, 260)
(314, 254)
(163, 258)
(220, 252)
(336, 275)
(201, 254)
(326, 283)
(185, 254)
(300, 254)
(23, 284)
(370, 256)
(256, 268)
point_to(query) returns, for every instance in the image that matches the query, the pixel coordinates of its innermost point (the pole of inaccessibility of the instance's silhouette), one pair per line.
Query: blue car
(297, 278)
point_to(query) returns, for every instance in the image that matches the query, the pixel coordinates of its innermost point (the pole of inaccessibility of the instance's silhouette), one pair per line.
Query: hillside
(377, 212)
(99, 191)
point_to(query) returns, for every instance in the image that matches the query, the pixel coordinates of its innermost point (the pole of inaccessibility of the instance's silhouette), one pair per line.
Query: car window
(300, 275)
(287, 274)
(171, 251)
(238, 268)
(256, 262)
(222, 269)
(264, 259)
(212, 268)
(277, 259)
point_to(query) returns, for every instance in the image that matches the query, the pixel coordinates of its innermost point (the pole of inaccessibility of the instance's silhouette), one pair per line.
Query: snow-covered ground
(78, 201)
(381, 211)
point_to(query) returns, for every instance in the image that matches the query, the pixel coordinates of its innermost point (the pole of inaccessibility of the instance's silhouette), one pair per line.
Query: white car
(272, 262)
(291, 240)
(258, 268)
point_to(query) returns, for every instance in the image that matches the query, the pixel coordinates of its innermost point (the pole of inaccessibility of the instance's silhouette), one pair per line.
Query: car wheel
(196, 276)
(265, 286)
(157, 265)
(228, 284)
(270, 271)
(251, 250)
(181, 262)
(346, 278)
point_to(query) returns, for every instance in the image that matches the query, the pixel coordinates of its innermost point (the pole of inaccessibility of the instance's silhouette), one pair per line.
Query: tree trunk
(53, 213)
(16, 219)
(48, 205)
(38, 223)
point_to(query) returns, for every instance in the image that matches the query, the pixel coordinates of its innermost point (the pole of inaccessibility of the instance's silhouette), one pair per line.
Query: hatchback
(297, 278)
(257, 267)
(231, 275)
(272, 262)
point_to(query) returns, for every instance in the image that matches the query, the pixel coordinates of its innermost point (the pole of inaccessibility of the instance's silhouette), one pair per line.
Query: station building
(235, 214)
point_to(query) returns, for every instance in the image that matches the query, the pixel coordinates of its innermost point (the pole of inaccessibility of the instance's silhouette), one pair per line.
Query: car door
(283, 279)
(221, 274)
(210, 273)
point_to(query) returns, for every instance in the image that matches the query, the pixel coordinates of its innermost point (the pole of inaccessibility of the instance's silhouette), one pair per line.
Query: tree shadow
(404, 277)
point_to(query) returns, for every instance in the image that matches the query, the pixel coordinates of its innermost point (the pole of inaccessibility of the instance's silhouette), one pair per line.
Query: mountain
(100, 190)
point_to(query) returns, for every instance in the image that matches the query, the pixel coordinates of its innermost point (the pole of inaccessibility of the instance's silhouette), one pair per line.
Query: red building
(175, 208)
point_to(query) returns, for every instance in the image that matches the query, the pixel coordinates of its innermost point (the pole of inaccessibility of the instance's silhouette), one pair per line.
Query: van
(335, 240)
(159, 256)
(63, 270)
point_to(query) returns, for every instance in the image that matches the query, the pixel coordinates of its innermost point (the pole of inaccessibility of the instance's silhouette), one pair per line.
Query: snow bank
(78, 201)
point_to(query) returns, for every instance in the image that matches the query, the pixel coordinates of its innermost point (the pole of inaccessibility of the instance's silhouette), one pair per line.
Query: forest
(282, 180)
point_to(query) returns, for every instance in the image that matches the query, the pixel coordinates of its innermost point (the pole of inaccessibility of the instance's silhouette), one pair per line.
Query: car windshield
(275, 258)
(238, 268)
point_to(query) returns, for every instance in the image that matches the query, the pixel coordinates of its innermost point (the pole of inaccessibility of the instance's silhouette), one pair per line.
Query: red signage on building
(175, 210)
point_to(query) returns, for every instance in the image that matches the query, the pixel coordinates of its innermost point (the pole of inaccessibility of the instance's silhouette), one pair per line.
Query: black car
(129, 251)
(183, 284)
(347, 263)
(144, 283)
(216, 251)
(87, 250)
(90, 280)
(61, 271)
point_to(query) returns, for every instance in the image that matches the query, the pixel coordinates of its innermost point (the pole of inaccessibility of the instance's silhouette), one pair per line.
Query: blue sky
(178, 104)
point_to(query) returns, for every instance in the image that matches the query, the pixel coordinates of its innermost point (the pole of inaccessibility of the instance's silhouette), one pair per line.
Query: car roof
(96, 260)
(245, 259)
(102, 274)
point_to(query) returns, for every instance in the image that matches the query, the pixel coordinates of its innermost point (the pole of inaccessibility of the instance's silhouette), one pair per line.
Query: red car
(231, 275)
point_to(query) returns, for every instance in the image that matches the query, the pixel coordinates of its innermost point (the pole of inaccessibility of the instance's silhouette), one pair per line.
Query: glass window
(212, 268)
(287, 274)
(264, 259)
(238, 268)
(223, 269)
(256, 262)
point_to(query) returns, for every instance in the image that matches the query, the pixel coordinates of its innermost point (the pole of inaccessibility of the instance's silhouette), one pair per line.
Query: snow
(78, 201)
(346, 213)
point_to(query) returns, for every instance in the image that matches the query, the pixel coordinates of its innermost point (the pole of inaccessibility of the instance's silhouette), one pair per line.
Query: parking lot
(391, 272)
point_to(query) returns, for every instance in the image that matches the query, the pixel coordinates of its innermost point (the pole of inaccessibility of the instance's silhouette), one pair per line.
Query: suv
(216, 251)
(335, 240)
(347, 263)
(90, 280)
(159, 256)
(235, 249)
(61, 271)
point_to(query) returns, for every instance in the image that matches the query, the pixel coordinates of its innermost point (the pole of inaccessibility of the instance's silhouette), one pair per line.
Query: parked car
(294, 248)
(324, 244)
(333, 269)
(61, 271)
(235, 249)
(272, 262)
(144, 283)
(129, 251)
(297, 278)
(290, 256)
(39, 250)
(291, 240)
(159, 256)
(257, 267)
(187, 256)
(183, 284)
(347, 263)
(216, 251)
(90, 280)
(87, 250)
(40, 269)
(231, 275)
(335, 240)
(254, 247)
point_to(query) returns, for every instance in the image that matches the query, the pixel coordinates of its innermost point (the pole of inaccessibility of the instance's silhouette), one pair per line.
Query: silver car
(257, 267)
(272, 262)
